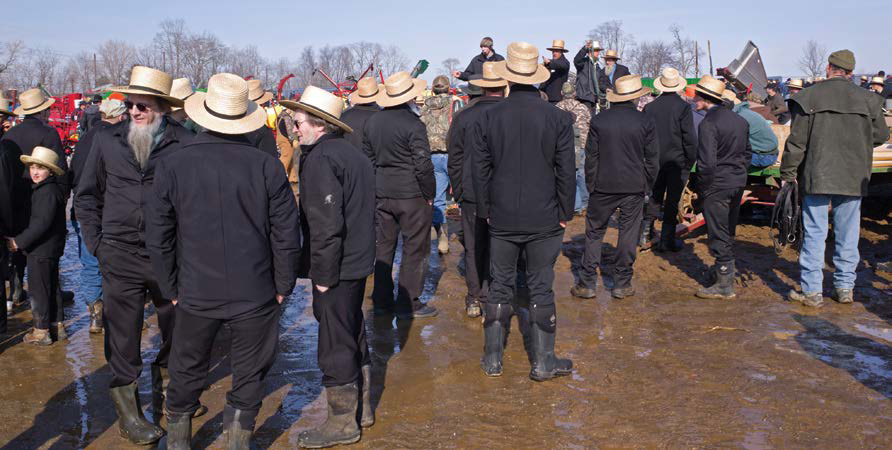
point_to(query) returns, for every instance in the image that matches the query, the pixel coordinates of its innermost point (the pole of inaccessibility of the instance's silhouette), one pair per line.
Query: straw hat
(4, 107)
(33, 101)
(399, 88)
(521, 65)
(45, 157)
(876, 80)
(626, 88)
(557, 45)
(611, 54)
(322, 104)
(795, 84)
(225, 107)
(149, 81)
(710, 87)
(489, 78)
(596, 46)
(366, 90)
(670, 81)
(181, 88)
(730, 96)
(257, 94)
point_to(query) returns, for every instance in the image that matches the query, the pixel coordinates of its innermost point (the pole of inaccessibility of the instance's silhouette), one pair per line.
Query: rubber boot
(724, 284)
(341, 426)
(132, 425)
(645, 242)
(496, 320)
(95, 317)
(366, 413)
(59, 329)
(237, 430)
(19, 296)
(179, 431)
(38, 337)
(159, 374)
(545, 364)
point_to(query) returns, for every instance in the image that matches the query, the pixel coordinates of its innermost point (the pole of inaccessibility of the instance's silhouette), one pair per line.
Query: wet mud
(661, 369)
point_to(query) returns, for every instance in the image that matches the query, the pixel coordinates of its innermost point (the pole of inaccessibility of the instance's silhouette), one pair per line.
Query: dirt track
(662, 369)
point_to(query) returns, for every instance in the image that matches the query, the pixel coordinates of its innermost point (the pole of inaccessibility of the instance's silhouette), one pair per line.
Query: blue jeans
(91, 279)
(441, 174)
(760, 160)
(846, 228)
(581, 191)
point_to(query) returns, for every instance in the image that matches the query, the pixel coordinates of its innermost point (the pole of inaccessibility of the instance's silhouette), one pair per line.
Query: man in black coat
(363, 107)
(396, 142)
(110, 203)
(678, 150)
(614, 70)
(621, 162)
(226, 253)
(524, 181)
(723, 154)
(475, 231)
(475, 67)
(591, 81)
(337, 212)
(560, 71)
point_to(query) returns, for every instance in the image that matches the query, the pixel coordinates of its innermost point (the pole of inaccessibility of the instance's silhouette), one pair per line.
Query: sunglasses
(142, 107)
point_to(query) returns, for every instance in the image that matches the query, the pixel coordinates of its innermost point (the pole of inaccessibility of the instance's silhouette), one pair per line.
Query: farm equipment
(62, 119)
(747, 73)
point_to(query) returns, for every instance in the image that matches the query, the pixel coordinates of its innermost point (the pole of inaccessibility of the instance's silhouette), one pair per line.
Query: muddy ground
(662, 369)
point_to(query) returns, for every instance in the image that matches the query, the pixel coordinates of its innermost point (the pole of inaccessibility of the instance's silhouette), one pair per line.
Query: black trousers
(43, 281)
(721, 210)
(412, 218)
(252, 352)
(541, 252)
(600, 208)
(667, 191)
(475, 232)
(4, 271)
(342, 349)
(126, 280)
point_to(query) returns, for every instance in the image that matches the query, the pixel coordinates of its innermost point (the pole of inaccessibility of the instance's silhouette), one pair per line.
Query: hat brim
(20, 111)
(174, 102)
(267, 96)
(254, 117)
(7, 112)
(708, 93)
(384, 100)
(177, 108)
(293, 105)
(658, 85)
(613, 97)
(557, 49)
(484, 83)
(501, 69)
(615, 58)
(28, 159)
(355, 99)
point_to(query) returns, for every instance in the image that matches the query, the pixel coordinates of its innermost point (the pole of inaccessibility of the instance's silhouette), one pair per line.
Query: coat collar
(523, 91)
(49, 180)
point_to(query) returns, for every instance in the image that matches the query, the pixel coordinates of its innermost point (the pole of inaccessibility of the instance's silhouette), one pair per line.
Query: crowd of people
(189, 201)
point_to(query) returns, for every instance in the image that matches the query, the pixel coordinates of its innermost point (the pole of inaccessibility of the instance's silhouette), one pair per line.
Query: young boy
(43, 242)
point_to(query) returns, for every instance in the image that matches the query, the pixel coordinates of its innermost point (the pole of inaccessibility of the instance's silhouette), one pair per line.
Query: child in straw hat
(43, 242)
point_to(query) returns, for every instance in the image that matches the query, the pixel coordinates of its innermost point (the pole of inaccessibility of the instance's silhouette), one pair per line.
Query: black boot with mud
(723, 288)
(132, 425)
(340, 427)
(496, 320)
(160, 380)
(19, 296)
(366, 413)
(545, 364)
(179, 431)
(95, 311)
(238, 426)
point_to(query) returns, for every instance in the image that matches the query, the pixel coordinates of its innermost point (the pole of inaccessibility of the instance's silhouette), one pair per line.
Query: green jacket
(835, 127)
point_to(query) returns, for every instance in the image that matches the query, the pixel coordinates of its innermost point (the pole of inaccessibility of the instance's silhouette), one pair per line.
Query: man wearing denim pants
(582, 118)
(829, 152)
(437, 115)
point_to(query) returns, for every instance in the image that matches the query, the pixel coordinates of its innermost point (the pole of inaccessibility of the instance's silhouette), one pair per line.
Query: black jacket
(113, 191)
(461, 159)
(264, 140)
(622, 152)
(222, 227)
(723, 152)
(15, 192)
(475, 67)
(586, 73)
(619, 71)
(356, 117)
(524, 163)
(560, 71)
(79, 159)
(337, 212)
(395, 140)
(675, 130)
(45, 235)
(32, 132)
(89, 118)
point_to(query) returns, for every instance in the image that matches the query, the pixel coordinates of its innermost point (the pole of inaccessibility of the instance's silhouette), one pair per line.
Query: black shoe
(723, 288)
(582, 292)
(236, 433)
(179, 431)
(95, 311)
(545, 364)
(132, 425)
(496, 321)
(340, 427)
(366, 413)
(623, 292)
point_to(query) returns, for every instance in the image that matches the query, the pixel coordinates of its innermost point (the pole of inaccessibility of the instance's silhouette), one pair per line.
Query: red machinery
(62, 119)
(345, 88)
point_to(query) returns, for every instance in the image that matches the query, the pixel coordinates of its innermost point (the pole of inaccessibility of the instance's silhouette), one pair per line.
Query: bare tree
(650, 57)
(813, 59)
(117, 59)
(306, 64)
(45, 65)
(393, 60)
(202, 53)
(612, 36)
(171, 41)
(686, 52)
(365, 53)
(450, 65)
(9, 53)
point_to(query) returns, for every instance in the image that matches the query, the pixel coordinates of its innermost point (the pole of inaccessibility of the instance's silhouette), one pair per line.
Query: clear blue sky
(283, 28)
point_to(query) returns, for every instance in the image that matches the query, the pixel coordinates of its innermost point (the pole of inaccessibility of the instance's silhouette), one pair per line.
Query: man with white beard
(110, 201)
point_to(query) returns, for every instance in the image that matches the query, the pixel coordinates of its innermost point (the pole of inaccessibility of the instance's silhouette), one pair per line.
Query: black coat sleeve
(161, 231)
(90, 198)
(560, 66)
(482, 168)
(267, 142)
(43, 211)
(284, 234)
(579, 59)
(603, 81)
(466, 75)
(323, 206)
(706, 155)
(565, 166)
(455, 149)
(421, 160)
(592, 155)
(7, 174)
(688, 136)
(651, 153)
(367, 145)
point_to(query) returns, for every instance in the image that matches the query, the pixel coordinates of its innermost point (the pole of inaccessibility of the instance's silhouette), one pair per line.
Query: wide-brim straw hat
(730, 96)
(181, 88)
(399, 88)
(45, 157)
(322, 104)
(4, 107)
(225, 107)
(149, 81)
(557, 45)
(596, 46)
(489, 79)
(877, 80)
(33, 101)
(257, 94)
(795, 84)
(366, 91)
(627, 88)
(521, 65)
(612, 54)
(670, 81)
(710, 87)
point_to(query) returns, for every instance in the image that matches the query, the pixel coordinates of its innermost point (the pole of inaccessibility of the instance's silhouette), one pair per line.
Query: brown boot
(38, 337)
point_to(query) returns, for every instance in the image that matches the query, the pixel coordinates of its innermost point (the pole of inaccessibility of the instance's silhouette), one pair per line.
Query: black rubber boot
(95, 317)
(19, 296)
(545, 364)
(132, 425)
(645, 241)
(159, 374)
(179, 431)
(238, 426)
(366, 413)
(341, 426)
(496, 320)
(724, 283)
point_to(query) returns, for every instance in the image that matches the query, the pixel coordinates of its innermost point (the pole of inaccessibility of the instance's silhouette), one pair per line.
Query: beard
(141, 138)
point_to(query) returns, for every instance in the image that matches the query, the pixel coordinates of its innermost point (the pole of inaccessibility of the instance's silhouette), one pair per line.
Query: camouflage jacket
(436, 115)
(582, 119)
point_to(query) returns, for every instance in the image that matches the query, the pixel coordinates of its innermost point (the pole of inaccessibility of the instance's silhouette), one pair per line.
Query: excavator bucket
(749, 70)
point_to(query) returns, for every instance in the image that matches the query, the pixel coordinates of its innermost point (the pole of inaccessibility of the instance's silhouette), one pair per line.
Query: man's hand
(456, 73)
(321, 289)
(280, 298)
(545, 61)
(430, 203)
(174, 301)
(11, 245)
(563, 224)
(588, 44)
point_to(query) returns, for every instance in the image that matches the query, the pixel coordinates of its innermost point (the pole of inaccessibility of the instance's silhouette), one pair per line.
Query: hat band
(369, 95)
(262, 93)
(492, 79)
(35, 107)
(411, 85)
(708, 91)
(630, 93)
(147, 89)
(516, 72)
(224, 116)
(669, 85)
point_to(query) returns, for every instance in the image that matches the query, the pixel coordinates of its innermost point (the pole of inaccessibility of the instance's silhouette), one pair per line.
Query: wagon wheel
(686, 204)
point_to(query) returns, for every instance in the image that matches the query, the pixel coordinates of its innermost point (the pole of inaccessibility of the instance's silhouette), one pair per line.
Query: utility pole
(696, 58)
(709, 49)
(94, 70)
